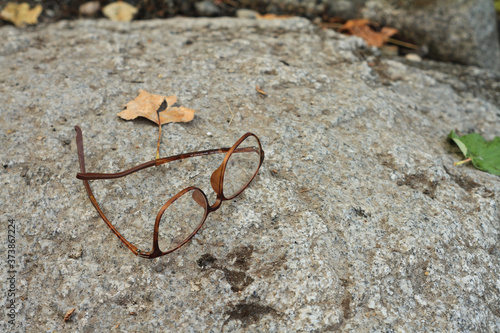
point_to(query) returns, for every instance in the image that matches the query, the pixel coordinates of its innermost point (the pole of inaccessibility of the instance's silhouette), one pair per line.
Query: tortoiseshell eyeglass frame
(216, 180)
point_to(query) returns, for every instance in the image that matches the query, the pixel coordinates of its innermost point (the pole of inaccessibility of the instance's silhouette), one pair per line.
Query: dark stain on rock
(249, 313)
(388, 161)
(346, 305)
(122, 300)
(361, 212)
(238, 280)
(267, 269)
(465, 182)
(206, 260)
(243, 256)
(493, 250)
(236, 276)
(488, 193)
(420, 182)
(332, 328)
(270, 72)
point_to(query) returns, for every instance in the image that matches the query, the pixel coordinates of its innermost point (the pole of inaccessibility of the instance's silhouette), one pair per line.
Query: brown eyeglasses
(239, 167)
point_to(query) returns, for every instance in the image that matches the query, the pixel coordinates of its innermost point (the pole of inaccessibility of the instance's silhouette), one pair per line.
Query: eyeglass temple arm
(81, 156)
(81, 159)
(160, 161)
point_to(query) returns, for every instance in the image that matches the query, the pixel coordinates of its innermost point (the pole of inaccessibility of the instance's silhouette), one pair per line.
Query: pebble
(207, 8)
(90, 9)
(247, 13)
(413, 57)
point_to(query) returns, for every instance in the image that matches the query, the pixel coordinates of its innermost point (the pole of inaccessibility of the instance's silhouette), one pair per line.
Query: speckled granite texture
(358, 220)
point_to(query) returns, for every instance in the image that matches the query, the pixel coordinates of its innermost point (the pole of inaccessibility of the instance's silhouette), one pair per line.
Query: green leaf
(459, 143)
(485, 155)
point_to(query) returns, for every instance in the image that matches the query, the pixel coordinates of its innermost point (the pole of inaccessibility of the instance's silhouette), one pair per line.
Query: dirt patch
(388, 161)
(249, 313)
(242, 255)
(236, 276)
(465, 182)
(346, 305)
(361, 212)
(238, 280)
(206, 260)
(420, 182)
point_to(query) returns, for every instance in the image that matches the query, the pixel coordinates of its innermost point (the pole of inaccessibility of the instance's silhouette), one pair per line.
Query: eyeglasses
(239, 167)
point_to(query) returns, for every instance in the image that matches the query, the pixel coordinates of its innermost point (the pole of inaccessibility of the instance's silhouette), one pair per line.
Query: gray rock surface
(357, 221)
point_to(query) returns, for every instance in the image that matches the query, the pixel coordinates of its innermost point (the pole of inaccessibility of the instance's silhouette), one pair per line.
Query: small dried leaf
(119, 11)
(21, 14)
(68, 314)
(260, 91)
(176, 115)
(146, 104)
(349, 25)
(362, 28)
(388, 32)
(272, 16)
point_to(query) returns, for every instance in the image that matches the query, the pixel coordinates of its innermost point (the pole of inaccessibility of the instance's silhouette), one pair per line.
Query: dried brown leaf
(272, 16)
(21, 14)
(119, 11)
(68, 314)
(388, 32)
(260, 91)
(354, 23)
(146, 104)
(362, 28)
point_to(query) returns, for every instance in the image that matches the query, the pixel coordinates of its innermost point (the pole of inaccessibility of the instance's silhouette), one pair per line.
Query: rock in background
(357, 221)
(461, 31)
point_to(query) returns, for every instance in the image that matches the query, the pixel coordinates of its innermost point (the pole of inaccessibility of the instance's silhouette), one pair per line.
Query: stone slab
(357, 221)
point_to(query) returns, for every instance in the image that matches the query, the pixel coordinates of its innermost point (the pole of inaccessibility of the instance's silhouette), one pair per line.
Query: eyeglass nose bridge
(216, 182)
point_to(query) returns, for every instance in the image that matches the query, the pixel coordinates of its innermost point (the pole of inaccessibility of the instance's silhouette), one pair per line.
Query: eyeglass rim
(216, 181)
(217, 178)
(156, 251)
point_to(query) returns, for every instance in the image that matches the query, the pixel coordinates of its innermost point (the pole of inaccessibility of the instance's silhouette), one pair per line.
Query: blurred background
(460, 31)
